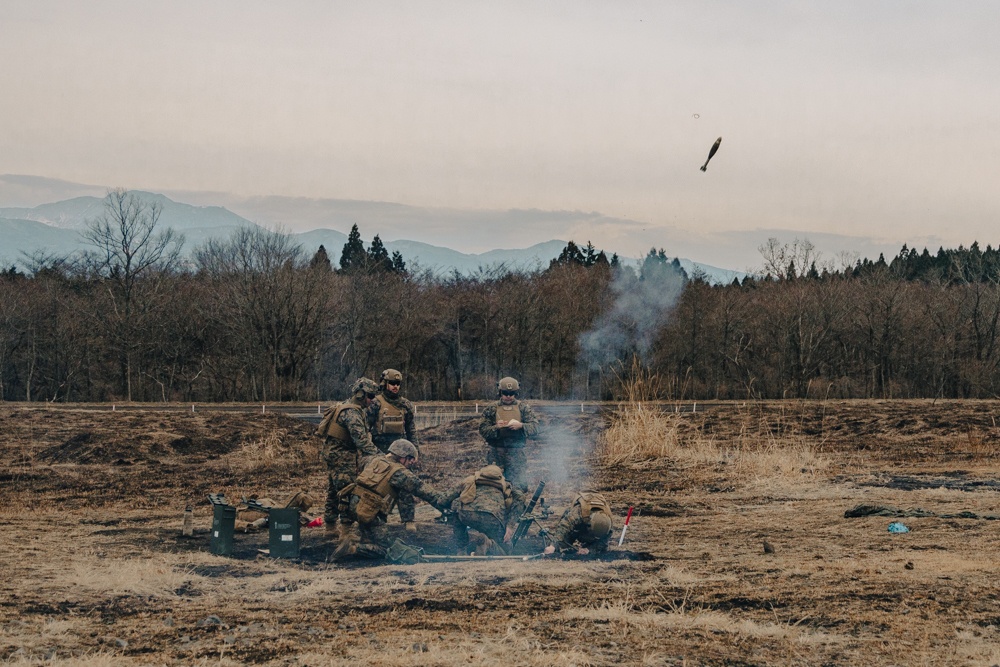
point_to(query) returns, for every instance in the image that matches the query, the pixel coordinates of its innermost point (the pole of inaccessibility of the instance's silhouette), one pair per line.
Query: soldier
(385, 480)
(506, 426)
(390, 416)
(487, 502)
(586, 523)
(346, 439)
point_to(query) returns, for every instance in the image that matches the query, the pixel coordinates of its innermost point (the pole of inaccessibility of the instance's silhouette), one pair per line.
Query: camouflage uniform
(489, 512)
(342, 456)
(574, 528)
(403, 486)
(384, 432)
(506, 446)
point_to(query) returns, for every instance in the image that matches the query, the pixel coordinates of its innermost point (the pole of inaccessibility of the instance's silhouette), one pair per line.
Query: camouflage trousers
(513, 462)
(375, 539)
(342, 465)
(485, 523)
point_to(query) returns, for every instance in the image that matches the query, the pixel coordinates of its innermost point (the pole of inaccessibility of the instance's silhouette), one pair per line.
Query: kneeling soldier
(486, 502)
(384, 481)
(586, 523)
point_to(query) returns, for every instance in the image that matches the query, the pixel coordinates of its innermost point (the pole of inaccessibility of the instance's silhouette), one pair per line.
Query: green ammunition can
(283, 532)
(223, 526)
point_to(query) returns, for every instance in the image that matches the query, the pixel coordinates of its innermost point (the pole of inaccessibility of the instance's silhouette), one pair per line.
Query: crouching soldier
(346, 440)
(488, 503)
(585, 526)
(384, 481)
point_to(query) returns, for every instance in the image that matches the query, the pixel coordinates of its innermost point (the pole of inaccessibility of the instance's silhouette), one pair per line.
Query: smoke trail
(641, 308)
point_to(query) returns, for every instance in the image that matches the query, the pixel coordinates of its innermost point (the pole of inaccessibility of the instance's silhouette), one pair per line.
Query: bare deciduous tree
(129, 253)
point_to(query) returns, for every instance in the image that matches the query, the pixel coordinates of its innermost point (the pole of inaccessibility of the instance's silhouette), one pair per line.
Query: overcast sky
(875, 119)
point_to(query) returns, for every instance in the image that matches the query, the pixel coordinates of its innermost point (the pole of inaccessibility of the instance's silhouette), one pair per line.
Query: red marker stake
(628, 517)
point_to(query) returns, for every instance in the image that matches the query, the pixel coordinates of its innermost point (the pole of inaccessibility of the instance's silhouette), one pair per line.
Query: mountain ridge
(54, 228)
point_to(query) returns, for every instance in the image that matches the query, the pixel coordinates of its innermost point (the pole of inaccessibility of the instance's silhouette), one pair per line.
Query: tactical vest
(375, 493)
(390, 418)
(330, 427)
(592, 502)
(471, 483)
(505, 413)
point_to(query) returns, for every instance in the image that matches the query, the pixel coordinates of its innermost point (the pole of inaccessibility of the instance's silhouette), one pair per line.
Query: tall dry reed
(643, 429)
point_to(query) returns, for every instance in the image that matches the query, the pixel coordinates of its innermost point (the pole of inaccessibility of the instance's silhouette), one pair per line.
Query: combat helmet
(508, 384)
(600, 525)
(403, 448)
(363, 386)
(390, 375)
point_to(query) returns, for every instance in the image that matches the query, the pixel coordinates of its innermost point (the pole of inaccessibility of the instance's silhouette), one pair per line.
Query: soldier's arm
(562, 534)
(409, 425)
(405, 481)
(407, 506)
(529, 420)
(451, 496)
(371, 415)
(354, 422)
(488, 425)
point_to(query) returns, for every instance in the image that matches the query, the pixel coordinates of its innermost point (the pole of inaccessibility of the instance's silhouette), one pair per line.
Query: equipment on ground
(283, 532)
(223, 525)
(527, 518)
(628, 518)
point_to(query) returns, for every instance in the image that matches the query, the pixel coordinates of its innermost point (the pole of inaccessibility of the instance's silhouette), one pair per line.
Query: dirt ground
(94, 571)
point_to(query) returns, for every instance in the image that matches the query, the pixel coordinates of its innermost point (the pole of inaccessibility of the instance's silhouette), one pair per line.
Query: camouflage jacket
(406, 485)
(490, 500)
(356, 424)
(505, 437)
(573, 529)
(403, 405)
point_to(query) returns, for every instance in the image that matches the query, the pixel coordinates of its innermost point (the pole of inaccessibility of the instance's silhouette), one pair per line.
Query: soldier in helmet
(506, 425)
(385, 480)
(488, 503)
(344, 429)
(584, 527)
(390, 416)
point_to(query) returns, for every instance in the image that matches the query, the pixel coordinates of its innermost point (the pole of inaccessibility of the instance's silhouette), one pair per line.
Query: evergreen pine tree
(353, 258)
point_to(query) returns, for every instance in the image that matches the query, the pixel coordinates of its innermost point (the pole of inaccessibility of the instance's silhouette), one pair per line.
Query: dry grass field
(94, 571)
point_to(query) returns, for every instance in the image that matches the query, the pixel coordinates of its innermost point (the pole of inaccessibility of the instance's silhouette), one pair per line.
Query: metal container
(283, 532)
(223, 525)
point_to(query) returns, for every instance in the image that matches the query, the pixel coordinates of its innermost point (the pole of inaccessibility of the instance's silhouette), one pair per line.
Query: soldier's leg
(461, 532)
(492, 529)
(516, 470)
(342, 468)
(374, 540)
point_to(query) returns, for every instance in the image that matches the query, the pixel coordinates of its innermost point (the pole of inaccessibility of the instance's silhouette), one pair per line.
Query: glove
(411, 527)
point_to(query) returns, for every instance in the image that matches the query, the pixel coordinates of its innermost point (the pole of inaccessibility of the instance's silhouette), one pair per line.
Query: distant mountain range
(54, 228)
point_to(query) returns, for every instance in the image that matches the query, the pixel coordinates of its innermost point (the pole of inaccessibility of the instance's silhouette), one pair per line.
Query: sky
(873, 120)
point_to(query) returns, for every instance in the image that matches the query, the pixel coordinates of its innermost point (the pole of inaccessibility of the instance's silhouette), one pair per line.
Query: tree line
(255, 317)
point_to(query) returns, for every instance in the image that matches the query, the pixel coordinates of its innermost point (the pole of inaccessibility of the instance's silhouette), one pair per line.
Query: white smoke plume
(640, 310)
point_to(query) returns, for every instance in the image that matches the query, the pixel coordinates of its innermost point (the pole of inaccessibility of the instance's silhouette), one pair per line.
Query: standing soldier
(488, 503)
(384, 481)
(346, 439)
(586, 523)
(506, 426)
(390, 416)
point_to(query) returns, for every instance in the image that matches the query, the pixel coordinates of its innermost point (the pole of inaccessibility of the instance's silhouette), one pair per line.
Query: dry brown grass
(759, 454)
(110, 583)
(261, 453)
